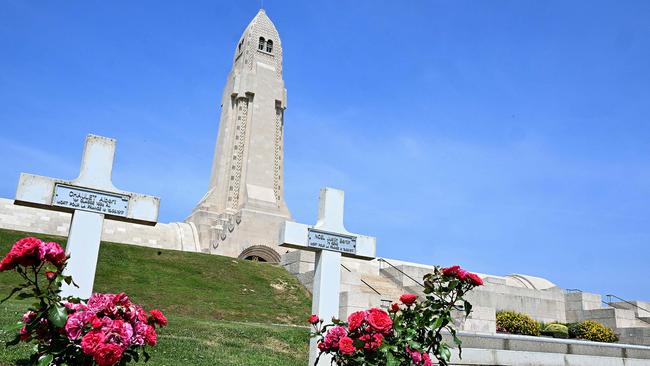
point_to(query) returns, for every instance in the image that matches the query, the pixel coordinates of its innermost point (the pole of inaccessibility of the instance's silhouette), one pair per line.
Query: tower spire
(247, 180)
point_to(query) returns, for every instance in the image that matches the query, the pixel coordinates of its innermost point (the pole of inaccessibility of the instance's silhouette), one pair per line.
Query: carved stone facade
(244, 207)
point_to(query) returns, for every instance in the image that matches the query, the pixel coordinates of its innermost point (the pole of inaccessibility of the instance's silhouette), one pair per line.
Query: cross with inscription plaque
(90, 198)
(329, 239)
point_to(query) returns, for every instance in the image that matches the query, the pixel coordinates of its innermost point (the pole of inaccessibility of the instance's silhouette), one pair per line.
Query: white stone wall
(177, 236)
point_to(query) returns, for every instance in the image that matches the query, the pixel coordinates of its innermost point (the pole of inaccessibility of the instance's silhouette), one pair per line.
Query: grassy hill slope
(222, 311)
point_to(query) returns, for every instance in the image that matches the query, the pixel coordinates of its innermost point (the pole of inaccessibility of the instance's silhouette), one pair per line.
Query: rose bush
(406, 334)
(105, 330)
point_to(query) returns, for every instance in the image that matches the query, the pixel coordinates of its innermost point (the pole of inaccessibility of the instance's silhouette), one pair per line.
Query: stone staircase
(629, 319)
(639, 331)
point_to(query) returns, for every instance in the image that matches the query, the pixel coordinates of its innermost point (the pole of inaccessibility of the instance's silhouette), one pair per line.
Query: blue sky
(506, 136)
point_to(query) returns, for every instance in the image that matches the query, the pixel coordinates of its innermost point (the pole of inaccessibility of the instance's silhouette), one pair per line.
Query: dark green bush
(592, 331)
(556, 330)
(516, 323)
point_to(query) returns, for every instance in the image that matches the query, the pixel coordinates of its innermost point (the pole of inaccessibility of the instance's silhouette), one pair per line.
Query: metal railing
(610, 303)
(572, 290)
(364, 282)
(400, 271)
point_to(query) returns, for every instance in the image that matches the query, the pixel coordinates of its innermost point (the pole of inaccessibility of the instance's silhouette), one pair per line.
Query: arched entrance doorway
(260, 253)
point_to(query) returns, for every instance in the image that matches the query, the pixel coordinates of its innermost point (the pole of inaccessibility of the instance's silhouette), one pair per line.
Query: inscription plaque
(78, 198)
(331, 241)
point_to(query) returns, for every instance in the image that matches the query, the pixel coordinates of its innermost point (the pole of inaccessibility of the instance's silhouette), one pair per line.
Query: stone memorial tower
(243, 210)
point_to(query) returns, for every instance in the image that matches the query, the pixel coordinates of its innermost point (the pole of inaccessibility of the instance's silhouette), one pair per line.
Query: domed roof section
(531, 282)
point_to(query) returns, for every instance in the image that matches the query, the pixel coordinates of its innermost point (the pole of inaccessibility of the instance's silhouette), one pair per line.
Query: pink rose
(140, 333)
(119, 332)
(415, 355)
(122, 300)
(75, 323)
(29, 316)
(356, 319)
(462, 274)
(151, 338)
(346, 346)
(408, 299)
(372, 341)
(379, 320)
(322, 346)
(427, 359)
(333, 336)
(23, 333)
(53, 253)
(108, 354)
(474, 279)
(91, 341)
(313, 319)
(8, 262)
(100, 302)
(158, 317)
(26, 252)
(451, 271)
(394, 307)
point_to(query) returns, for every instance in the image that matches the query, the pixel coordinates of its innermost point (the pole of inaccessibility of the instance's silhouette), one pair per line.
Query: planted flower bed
(105, 330)
(518, 323)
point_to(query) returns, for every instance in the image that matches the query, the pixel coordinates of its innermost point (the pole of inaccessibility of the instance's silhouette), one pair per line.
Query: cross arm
(39, 191)
(296, 236)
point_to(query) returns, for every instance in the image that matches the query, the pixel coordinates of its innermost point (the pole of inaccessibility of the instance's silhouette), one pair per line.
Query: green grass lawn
(221, 311)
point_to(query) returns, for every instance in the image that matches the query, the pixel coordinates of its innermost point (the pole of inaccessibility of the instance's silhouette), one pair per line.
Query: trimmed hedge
(556, 330)
(591, 330)
(517, 323)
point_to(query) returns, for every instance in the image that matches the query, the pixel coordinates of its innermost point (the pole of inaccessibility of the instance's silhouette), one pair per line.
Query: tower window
(261, 45)
(269, 46)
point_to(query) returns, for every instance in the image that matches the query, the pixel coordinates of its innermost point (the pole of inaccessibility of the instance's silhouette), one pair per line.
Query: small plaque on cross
(90, 200)
(332, 241)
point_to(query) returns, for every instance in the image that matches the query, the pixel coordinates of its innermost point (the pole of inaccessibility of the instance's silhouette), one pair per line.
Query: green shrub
(573, 330)
(592, 331)
(556, 330)
(517, 323)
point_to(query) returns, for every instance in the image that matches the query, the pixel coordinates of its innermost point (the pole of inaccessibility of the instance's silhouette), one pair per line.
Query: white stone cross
(90, 198)
(329, 239)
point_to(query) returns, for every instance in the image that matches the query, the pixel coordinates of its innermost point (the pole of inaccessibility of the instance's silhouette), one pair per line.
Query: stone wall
(176, 235)
(376, 283)
(514, 350)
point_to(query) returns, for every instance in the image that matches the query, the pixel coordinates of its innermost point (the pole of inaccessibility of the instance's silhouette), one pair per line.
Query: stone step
(640, 336)
(616, 318)
(645, 319)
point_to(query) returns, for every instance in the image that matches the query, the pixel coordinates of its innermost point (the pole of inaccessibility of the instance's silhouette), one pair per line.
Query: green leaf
(13, 342)
(146, 355)
(445, 353)
(468, 308)
(437, 323)
(24, 295)
(57, 316)
(13, 291)
(45, 360)
(390, 360)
